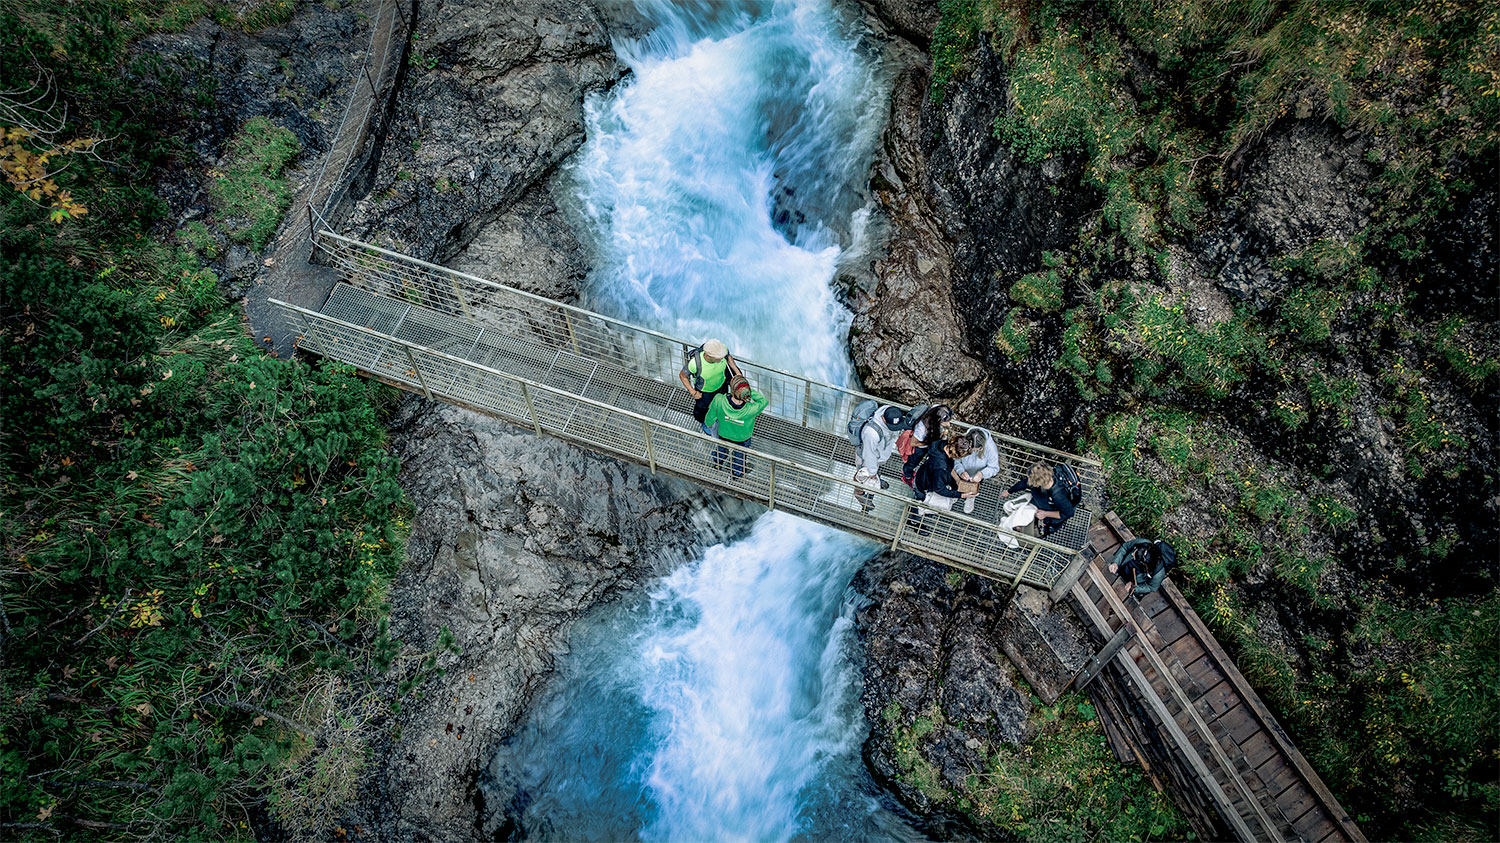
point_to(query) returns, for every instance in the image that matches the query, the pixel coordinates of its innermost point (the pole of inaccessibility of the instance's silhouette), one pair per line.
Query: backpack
(909, 421)
(1064, 477)
(864, 411)
(1166, 555)
(691, 355)
(910, 477)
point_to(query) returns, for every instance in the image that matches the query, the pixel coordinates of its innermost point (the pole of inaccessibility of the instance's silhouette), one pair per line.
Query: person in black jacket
(932, 481)
(1047, 495)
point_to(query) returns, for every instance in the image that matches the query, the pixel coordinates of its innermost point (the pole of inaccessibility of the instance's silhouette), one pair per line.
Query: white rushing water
(720, 183)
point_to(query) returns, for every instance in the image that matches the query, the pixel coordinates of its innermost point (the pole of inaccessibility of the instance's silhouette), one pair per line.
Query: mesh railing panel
(667, 445)
(491, 331)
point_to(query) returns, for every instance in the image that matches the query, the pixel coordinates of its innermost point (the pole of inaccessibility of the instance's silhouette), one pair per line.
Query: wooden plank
(1069, 576)
(1216, 793)
(1154, 604)
(1096, 662)
(1297, 800)
(1216, 751)
(1171, 627)
(1256, 705)
(1200, 666)
(1258, 749)
(1279, 776)
(1217, 700)
(1240, 724)
(1323, 829)
(1314, 825)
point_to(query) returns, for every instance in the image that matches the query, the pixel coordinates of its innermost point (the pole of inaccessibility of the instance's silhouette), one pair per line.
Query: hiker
(705, 373)
(1140, 559)
(926, 430)
(1054, 501)
(979, 463)
(731, 417)
(876, 435)
(929, 426)
(933, 480)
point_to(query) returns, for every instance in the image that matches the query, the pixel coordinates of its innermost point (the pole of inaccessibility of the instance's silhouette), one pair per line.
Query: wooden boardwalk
(1172, 701)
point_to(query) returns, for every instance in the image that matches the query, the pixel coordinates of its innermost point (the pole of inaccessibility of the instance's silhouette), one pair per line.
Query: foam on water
(720, 186)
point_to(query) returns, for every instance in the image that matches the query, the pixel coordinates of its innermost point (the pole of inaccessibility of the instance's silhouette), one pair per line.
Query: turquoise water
(720, 185)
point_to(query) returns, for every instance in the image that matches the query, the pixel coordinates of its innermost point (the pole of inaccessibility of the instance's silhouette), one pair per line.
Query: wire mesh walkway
(612, 387)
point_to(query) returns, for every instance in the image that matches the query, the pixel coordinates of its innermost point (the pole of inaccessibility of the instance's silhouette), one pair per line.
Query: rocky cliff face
(493, 102)
(515, 537)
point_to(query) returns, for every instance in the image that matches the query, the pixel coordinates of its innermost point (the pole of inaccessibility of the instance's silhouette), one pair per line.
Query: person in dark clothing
(1051, 501)
(932, 481)
(1144, 563)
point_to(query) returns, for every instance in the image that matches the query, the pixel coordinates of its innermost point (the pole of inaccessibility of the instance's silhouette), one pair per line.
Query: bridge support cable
(612, 387)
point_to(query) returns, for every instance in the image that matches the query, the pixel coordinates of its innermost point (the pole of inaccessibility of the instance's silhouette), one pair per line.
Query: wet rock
(906, 339)
(938, 687)
(293, 74)
(530, 246)
(515, 537)
(1301, 184)
(913, 20)
(492, 102)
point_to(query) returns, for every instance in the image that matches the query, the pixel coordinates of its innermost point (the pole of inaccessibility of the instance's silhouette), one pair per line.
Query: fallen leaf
(144, 708)
(43, 814)
(259, 720)
(131, 476)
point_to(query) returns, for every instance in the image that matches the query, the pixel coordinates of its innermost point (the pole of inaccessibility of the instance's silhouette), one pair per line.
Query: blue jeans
(736, 460)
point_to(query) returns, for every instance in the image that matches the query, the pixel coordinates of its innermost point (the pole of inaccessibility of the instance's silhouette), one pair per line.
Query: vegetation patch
(1065, 784)
(196, 539)
(249, 191)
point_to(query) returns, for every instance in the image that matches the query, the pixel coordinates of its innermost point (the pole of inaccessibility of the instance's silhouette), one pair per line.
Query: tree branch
(305, 731)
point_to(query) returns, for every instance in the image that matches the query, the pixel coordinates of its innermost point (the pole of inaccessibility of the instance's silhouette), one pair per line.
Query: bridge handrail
(1030, 541)
(1063, 456)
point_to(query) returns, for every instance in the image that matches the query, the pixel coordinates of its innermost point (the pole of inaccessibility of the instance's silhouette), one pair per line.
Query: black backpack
(1166, 555)
(1065, 478)
(914, 415)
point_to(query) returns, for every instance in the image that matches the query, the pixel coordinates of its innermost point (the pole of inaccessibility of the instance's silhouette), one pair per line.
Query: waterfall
(720, 188)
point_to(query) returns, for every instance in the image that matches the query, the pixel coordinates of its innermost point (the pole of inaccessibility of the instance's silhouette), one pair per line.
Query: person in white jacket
(980, 464)
(877, 442)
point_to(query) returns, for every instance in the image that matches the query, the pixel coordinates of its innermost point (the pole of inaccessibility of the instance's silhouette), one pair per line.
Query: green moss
(251, 193)
(1039, 290)
(1014, 337)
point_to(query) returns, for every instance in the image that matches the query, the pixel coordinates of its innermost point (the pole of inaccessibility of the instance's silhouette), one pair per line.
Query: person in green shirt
(706, 373)
(731, 417)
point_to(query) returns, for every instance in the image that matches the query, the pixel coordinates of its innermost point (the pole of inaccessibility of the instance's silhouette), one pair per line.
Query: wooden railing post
(1015, 584)
(536, 421)
(806, 400)
(417, 370)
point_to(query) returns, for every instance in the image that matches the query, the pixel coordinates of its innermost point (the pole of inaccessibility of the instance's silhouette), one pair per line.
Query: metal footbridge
(612, 387)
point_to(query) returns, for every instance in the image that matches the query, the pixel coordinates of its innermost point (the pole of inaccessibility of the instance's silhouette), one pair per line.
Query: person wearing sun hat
(731, 417)
(705, 373)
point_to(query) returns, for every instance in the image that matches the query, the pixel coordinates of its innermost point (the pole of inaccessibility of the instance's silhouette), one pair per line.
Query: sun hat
(715, 350)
